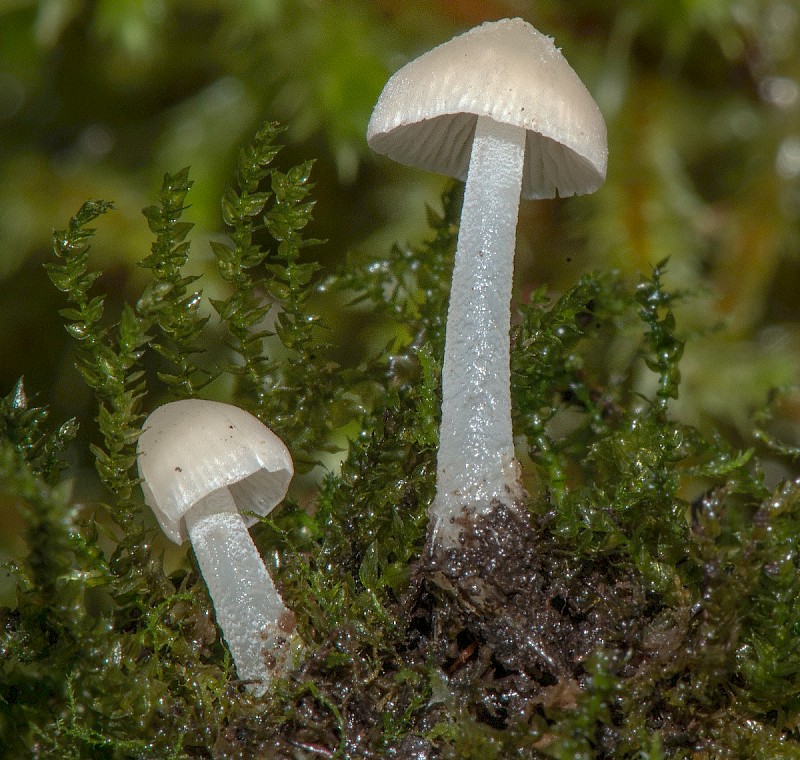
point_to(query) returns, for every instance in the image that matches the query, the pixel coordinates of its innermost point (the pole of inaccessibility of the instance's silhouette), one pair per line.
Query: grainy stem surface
(476, 464)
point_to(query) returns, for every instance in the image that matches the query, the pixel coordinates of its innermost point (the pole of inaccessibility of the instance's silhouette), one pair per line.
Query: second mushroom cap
(193, 447)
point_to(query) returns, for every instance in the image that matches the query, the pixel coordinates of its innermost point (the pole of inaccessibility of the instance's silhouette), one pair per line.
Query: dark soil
(509, 621)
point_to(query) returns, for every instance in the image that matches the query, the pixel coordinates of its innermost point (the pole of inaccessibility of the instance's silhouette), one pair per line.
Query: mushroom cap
(506, 70)
(191, 448)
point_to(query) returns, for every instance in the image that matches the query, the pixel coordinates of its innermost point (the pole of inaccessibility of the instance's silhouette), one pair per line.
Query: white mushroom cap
(191, 448)
(510, 72)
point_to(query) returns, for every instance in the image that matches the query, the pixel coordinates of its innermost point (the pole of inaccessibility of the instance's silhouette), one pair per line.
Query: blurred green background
(702, 99)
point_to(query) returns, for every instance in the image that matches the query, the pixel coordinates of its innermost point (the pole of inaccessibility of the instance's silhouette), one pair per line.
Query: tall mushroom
(500, 107)
(202, 463)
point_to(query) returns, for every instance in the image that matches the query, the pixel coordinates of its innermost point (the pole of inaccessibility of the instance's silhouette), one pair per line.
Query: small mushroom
(202, 463)
(500, 107)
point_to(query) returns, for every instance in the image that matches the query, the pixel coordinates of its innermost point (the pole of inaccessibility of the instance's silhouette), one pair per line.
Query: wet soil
(509, 619)
(513, 619)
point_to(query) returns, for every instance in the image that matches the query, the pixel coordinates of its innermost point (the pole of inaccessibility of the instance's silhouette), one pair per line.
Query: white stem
(476, 464)
(255, 622)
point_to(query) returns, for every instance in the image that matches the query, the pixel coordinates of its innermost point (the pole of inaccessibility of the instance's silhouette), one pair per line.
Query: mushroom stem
(254, 620)
(476, 464)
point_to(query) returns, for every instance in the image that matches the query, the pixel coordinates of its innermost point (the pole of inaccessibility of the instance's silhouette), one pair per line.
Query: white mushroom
(201, 464)
(500, 107)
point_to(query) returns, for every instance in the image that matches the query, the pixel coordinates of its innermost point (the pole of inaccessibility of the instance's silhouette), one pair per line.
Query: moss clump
(643, 605)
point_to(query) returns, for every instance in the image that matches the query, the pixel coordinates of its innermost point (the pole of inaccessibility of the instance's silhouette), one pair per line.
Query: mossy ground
(640, 603)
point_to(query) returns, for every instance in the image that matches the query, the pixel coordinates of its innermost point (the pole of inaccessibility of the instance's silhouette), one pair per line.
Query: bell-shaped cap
(506, 70)
(191, 448)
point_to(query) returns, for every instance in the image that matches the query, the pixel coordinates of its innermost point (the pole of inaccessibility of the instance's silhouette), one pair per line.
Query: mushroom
(500, 107)
(201, 464)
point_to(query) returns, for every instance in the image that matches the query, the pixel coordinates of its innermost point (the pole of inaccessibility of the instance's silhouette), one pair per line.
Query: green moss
(167, 303)
(643, 607)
